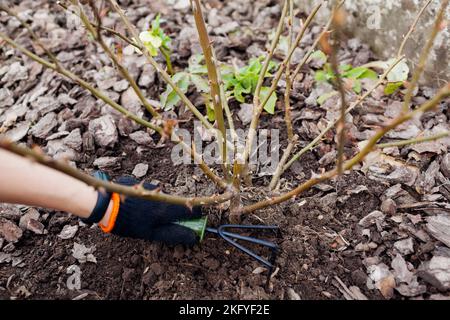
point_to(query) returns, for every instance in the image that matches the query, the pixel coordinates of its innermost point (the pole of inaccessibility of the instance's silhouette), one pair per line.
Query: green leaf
(210, 113)
(369, 74)
(156, 22)
(196, 66)
(357, 86)
(169, 98)
(317, 55)
(392, 87)
(345, 67)
(270, 105)
(321, 76)
(326, 96)
(399, 72)
(200, 83)
(238, 91)
(271, 66)
(360, 73)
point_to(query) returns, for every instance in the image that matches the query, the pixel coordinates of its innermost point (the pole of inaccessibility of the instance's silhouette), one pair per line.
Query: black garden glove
(151, 220)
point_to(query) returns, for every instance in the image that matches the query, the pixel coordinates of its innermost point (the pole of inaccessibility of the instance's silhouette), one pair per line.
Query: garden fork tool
(200, 228)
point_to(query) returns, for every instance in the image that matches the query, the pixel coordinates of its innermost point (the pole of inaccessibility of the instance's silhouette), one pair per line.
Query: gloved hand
(151, 220)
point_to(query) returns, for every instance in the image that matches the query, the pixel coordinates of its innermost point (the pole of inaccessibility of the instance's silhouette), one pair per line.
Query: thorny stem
(279, 170)
(314, 45)
(60, 69)
(273, 46)
(213, 70)
(199, 160)
(163, 51)
(158, 68)
(287, 60)
(290, 78)
(412, 28)
(442, 94)
(340, 127)
(287, 92)
(99, 94)
(260, 107)
(123, 71)
(424, 56)
(134, 191)
(313, 143)
(412, 141)
(32, 33)
(287, 106)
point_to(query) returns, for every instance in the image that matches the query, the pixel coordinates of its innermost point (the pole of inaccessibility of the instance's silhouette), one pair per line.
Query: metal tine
(245, 238)
(244, 249)
(243, 226)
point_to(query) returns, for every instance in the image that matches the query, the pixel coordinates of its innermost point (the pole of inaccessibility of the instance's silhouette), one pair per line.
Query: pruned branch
(65, 72)
(213, 70)
(412, 28)
(424, 56)
(287, 92)
(338, 17)
(331, 125)
(123, 71)
(370, 145)
(133, 191)
(166, 77)
(259, 108)
(413, 141)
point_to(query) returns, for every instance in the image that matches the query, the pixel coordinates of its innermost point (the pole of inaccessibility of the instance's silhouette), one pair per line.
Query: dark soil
(136, 269)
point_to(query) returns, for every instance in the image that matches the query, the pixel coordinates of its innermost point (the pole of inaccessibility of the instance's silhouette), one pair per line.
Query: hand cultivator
(223, 231)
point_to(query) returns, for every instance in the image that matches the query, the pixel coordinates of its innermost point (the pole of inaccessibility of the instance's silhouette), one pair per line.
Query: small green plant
(238, 82)
(395, 78)
(156, 40)
(193, 75)
(242, 81)
(352, 75)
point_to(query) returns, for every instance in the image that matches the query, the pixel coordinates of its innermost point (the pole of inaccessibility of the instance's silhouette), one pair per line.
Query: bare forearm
(26, 182)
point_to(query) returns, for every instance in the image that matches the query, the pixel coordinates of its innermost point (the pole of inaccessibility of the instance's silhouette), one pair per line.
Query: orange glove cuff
(114, 213)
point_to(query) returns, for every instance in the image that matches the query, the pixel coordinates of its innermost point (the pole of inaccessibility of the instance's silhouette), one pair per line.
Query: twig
(273, 46)
(51, 56)
(134, 191)
(287, 106)
(163, 51)
(258, 110)
(213, 70)
(424, 56)
(442, 94)
(102, 96)
(316, 42)
(412, 28)
(289, 82)
(279, 170)
(123, 71)
(412, 141)
(313, 143)
(287, 92)
(287, 60)
(60, 69)
(340, 127)
(158, 68)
